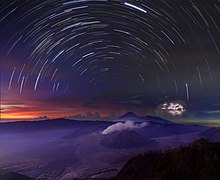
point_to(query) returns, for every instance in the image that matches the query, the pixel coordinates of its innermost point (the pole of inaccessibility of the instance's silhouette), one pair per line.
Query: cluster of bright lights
(173, 108)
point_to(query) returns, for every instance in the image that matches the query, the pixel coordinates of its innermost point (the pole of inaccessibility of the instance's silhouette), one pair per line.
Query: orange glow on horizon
(30, 110)
(20, 116)
(33, 114)
(17, 116)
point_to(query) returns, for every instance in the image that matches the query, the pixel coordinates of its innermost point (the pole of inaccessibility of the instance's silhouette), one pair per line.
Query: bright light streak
(135, 7)
(12, 75)
(187, 92)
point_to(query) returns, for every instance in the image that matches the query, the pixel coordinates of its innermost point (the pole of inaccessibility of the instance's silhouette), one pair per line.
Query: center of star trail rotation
(77, 55)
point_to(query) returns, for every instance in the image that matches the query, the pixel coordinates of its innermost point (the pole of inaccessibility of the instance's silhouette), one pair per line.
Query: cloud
(94, 116)
(213, 112)
(123, 126)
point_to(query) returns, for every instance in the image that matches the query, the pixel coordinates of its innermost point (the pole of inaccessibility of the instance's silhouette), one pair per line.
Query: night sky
(100, 59)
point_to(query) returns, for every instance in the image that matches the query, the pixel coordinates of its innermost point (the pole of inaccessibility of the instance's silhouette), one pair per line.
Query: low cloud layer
(127, 125)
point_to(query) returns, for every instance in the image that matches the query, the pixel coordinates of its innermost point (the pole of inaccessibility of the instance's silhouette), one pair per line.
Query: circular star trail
(119, 48)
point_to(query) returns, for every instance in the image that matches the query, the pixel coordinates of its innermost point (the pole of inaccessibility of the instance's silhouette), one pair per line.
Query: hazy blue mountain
(155, 130)
(70, 149)
(133, 117)
(212, 134)
(129, 115)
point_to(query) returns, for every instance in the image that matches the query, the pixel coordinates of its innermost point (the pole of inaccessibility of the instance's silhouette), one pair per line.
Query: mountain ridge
(199, 160)
(134, 117)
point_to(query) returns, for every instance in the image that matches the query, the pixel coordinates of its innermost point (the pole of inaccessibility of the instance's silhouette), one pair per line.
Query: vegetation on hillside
(199, 160)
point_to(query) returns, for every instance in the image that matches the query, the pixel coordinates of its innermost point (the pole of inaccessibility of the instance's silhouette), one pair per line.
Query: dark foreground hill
(5, 175)
(200, 160)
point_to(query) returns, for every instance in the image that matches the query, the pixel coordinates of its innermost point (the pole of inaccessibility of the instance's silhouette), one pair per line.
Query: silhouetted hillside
(5, 175)
(200, 160)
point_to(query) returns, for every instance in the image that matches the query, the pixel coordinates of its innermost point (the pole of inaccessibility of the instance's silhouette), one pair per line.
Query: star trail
(109, 56)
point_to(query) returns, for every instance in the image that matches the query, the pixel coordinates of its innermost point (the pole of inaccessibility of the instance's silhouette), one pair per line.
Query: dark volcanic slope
(200, 160)
(125, 139)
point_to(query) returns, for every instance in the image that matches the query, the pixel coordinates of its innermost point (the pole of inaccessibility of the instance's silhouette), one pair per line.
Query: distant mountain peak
(128, 115)
(134, 117)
